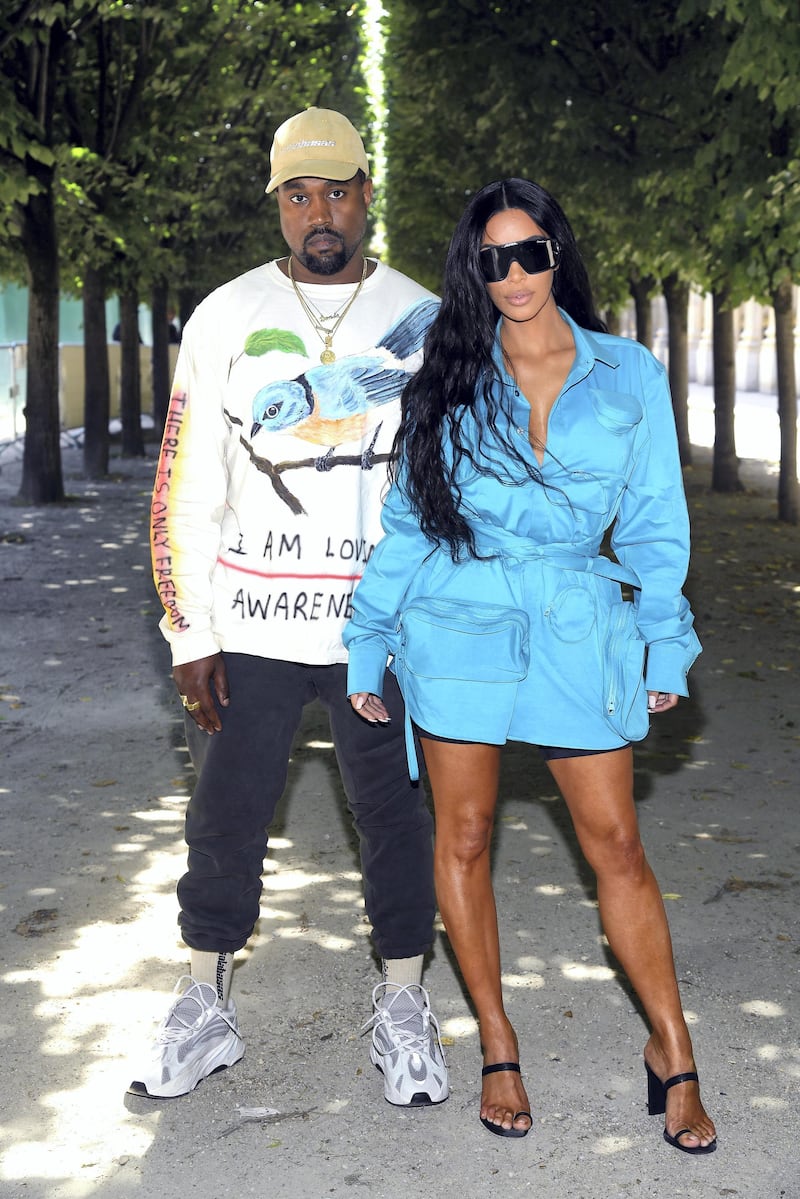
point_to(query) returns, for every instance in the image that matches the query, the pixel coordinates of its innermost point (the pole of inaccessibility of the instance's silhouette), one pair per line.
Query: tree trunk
(725, 469)
(97, 386)
(788, 491)
(613, 322)
(42, 477)
(130, 398)
(676, 295)
(642, 290)
(161, 379)
(188, 299)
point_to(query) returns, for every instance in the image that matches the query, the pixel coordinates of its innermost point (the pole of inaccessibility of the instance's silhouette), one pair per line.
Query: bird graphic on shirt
(328, 405)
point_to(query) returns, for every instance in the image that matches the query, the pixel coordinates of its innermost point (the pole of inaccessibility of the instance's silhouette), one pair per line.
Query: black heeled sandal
(657, 1106)
(498, 1129)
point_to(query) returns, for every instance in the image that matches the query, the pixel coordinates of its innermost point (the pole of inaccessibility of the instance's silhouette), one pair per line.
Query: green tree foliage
(145, 129)
(760, 70)
(33, 44)
(672, 153)
(585, 106)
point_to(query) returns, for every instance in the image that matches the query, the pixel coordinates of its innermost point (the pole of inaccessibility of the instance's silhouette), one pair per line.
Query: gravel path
(93, 785)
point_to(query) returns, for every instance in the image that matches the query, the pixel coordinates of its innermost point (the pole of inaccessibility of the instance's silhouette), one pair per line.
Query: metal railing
(13, 361)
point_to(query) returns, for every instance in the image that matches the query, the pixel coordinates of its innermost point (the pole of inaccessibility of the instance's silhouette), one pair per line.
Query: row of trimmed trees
(134, 143)
(670, 131)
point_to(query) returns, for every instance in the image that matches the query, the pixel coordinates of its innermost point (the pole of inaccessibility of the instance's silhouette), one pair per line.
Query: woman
(527, 432)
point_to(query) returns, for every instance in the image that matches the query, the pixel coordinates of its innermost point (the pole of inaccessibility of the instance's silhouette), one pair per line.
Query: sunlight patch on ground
(580, 972)
(533, 982)
(31, 1160)
(324, 940)
(460, 1027)
(295, 880)
(95, 1018)
(763, 1007)
(530, 963)
(608, 1145)
(159, 815)
(84, 1007)
(93, 1010)
(162, 869)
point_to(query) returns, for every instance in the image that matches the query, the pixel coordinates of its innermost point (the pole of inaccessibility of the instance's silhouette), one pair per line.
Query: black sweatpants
(241, 778)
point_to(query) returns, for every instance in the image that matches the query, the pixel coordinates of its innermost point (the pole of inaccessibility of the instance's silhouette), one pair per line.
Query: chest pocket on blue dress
(615, 411)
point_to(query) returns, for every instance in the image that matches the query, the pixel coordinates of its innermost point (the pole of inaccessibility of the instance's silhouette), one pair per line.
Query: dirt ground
(94, 781)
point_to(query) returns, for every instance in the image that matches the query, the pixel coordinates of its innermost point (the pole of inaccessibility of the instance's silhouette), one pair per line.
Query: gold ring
(193, 707)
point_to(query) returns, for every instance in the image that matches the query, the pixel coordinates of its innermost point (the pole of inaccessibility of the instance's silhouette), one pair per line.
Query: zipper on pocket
(619, 619)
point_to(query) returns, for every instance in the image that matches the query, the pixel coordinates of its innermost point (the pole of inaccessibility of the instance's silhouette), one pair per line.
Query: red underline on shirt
(278, 574)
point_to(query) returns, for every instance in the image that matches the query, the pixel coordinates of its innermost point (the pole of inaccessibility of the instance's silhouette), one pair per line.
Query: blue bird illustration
(328, 405)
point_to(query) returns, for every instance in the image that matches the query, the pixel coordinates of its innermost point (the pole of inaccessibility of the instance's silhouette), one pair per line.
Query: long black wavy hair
(457, 375)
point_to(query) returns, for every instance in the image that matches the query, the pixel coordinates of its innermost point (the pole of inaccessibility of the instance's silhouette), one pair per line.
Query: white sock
(403, 971)
(215, 969)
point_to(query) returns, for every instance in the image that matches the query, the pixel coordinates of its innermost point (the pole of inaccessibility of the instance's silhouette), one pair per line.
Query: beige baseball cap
(318, 142)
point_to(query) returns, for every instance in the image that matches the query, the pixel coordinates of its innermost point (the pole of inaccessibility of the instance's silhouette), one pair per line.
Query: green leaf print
(264, 340)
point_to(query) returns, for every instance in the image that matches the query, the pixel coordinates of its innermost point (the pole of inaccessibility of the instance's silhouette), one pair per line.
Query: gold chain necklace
(319, 322)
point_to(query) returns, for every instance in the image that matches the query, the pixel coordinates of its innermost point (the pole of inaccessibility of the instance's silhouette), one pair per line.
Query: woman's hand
(370, 707)
(660, 701)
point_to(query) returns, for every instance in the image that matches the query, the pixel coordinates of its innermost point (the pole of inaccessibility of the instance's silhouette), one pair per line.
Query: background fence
(755, 361)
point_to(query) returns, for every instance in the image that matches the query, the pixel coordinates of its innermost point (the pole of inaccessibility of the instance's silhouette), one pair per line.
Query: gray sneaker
(196, 1038)
(406, 1046)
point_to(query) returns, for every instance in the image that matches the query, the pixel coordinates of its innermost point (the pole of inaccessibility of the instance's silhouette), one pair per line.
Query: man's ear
(368, 192)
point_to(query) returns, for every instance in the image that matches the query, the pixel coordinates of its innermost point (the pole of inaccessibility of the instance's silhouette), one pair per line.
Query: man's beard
(328, 264)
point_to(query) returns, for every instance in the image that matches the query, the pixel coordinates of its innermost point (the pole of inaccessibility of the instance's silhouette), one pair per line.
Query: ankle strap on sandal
(690, 1076)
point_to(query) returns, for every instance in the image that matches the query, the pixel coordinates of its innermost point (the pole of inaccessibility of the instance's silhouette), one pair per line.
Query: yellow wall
(72, 375)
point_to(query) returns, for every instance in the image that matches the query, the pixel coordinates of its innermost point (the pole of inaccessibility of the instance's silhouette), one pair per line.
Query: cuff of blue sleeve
(366, 668)
(669, 664)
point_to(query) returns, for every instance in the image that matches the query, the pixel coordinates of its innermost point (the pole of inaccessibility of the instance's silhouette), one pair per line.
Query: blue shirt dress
(611, 458)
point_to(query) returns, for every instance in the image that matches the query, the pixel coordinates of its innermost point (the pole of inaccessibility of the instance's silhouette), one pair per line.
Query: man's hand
(194, 681)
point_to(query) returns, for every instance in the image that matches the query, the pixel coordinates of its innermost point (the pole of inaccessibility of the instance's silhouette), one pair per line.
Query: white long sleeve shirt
(272, 470)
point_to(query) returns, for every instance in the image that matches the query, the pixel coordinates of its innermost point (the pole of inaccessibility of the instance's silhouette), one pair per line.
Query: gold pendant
(327, 356)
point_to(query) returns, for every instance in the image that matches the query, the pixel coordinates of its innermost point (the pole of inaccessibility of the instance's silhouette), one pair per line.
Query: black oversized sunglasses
(534, 254)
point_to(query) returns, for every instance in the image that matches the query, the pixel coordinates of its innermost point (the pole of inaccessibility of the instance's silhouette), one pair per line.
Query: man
(265, 508)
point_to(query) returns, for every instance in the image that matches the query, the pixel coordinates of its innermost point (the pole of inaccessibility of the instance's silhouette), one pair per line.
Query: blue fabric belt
(504, 546)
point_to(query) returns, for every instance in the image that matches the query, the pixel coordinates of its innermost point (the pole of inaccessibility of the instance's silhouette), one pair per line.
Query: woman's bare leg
(598, 790)
(464, 782)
